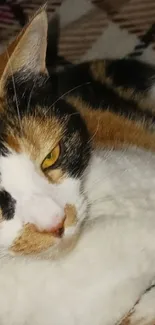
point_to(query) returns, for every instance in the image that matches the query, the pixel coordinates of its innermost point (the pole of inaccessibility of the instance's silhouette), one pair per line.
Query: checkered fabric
(90, 28)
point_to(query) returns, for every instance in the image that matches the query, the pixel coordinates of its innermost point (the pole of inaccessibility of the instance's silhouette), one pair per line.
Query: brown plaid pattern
(78, 35)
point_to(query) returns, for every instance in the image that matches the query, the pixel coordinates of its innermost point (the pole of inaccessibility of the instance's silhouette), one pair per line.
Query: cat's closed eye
(52, 158)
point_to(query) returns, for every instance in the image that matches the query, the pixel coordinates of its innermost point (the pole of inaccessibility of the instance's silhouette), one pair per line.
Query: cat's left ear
(28, 51)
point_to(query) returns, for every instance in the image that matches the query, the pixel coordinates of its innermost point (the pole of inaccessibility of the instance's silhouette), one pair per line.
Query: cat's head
(44, 146)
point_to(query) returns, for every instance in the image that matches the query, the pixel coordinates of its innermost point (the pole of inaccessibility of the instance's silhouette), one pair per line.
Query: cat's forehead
(35, 136)
(27, 123)
(30, 133)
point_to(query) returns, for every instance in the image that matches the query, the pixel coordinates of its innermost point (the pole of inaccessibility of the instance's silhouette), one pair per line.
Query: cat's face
(44, 146)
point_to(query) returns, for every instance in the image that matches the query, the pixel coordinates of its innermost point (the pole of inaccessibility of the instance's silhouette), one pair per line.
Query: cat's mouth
(31, 241)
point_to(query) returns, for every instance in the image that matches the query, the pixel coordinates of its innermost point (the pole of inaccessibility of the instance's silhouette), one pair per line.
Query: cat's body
(118, 93)
(113, 262)
(48, 130)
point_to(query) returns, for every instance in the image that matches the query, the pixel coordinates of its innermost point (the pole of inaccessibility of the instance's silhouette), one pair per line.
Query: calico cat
(51, 157)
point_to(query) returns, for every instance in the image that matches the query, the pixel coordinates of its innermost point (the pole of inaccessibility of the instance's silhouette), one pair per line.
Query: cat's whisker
(30, 96)
(76, 113)
(94, 134)
(66, 93)
(31, 93)
(15, 92)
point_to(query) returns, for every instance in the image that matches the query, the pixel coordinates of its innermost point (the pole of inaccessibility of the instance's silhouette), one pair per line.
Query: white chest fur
(112, 264)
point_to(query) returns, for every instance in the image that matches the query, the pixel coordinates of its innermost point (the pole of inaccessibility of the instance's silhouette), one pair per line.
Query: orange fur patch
(70, 213)
(129, 321)
(55, 175)
(31, 241)
(98, 70)
(13, 143)
(110, 130)
(2, 105)
(40, 136)
(126, 321)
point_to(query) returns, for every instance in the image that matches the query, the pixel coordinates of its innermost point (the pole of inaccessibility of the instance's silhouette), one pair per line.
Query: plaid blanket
(90, 28)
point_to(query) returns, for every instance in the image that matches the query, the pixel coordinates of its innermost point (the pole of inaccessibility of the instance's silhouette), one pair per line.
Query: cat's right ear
(28, 52)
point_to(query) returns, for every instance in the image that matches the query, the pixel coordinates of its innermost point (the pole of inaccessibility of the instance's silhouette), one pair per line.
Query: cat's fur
(113, 191)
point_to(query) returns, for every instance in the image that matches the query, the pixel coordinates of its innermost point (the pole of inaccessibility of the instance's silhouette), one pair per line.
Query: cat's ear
(28, 51)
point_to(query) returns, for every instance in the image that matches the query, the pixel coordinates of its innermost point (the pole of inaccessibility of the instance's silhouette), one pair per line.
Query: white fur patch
(8, 231)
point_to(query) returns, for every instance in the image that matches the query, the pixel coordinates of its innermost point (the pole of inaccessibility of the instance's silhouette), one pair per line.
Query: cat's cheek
(66, 192)
(9, 231)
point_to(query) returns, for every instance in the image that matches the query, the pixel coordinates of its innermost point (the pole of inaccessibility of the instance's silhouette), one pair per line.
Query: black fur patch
(7, 205)
(131, 74)
(3, 150)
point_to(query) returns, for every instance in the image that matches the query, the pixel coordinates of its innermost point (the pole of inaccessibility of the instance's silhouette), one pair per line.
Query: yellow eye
(51, 158)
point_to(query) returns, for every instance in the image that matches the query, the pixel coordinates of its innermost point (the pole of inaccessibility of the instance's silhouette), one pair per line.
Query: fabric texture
(90, 28)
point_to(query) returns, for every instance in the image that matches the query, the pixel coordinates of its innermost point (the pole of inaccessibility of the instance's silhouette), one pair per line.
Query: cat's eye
(51, 158)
